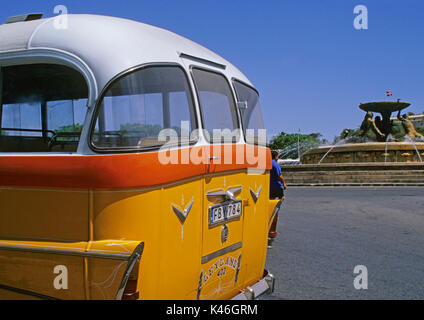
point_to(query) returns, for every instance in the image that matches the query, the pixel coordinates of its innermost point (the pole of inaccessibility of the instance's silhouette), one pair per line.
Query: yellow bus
(131, 166)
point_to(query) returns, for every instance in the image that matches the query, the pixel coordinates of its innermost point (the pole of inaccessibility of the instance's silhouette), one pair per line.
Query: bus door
(224, 189)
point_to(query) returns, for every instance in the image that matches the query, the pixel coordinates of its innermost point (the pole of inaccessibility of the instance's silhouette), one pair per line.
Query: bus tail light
(131, 292)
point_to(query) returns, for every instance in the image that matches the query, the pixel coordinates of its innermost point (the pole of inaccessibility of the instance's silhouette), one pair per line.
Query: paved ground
(325, 232)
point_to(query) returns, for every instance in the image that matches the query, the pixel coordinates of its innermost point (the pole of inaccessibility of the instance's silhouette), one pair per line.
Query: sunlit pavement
(325, 232)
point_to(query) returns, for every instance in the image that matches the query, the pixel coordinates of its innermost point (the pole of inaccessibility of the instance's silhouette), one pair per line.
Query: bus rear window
(42, 108)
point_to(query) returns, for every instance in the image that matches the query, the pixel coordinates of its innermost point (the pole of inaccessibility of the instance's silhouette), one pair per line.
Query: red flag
(389, 93)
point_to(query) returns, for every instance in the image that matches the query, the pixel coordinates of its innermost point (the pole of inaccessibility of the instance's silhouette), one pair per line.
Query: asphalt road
(325, 232)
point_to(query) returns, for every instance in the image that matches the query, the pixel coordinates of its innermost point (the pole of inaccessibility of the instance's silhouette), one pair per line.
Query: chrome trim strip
(221, 195)
(217, 196)
(79, 253)
(136, 256)
(232, 193)
(202, 60)
(26, 292)
(34, 239)
(221, 252)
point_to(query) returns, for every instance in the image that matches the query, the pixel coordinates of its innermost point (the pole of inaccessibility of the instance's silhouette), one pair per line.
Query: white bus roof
(108, 45)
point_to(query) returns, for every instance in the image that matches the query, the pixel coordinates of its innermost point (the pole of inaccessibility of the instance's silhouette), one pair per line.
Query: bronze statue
(369, 125)
(379, 123)
(409, 127)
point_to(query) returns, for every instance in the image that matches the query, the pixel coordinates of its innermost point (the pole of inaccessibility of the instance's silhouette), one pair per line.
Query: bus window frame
(233, 80)
(238, 116)
(102, 95)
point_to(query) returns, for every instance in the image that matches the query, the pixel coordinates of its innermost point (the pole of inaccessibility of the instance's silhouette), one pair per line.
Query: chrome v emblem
(254, 195)
(182, 215)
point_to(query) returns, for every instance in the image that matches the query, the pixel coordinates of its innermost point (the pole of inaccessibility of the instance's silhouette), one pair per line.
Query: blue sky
(310, 65)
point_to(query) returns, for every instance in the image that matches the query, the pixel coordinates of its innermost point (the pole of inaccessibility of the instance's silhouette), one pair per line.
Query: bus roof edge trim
(24, 17)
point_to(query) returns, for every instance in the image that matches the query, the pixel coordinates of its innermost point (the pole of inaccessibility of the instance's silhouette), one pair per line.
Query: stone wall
(363, 174)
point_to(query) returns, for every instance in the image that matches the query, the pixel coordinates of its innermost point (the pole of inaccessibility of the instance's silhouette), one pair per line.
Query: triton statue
(369, 125)
(409, 127)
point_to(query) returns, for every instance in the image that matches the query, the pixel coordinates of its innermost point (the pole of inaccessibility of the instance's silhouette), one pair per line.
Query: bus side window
(251, 115)
(43, 108)
(217, 105)
(137, 107)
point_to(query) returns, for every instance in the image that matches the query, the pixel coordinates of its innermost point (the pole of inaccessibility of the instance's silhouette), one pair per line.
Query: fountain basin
(384, 106)
(391, 152)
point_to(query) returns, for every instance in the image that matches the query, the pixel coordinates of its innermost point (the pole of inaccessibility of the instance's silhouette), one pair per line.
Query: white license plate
(225, 212)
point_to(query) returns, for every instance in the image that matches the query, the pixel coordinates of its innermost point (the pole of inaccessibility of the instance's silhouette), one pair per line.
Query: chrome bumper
(264, 286)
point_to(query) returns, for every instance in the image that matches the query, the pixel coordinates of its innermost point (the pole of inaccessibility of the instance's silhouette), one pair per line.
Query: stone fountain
(379, 140)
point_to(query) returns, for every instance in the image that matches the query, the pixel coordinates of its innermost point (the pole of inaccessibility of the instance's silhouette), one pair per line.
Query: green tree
(71, 128)
(288, 143)
(347, 134)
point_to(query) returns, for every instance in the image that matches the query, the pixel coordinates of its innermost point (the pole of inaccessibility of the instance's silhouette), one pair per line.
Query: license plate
(224, 212)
